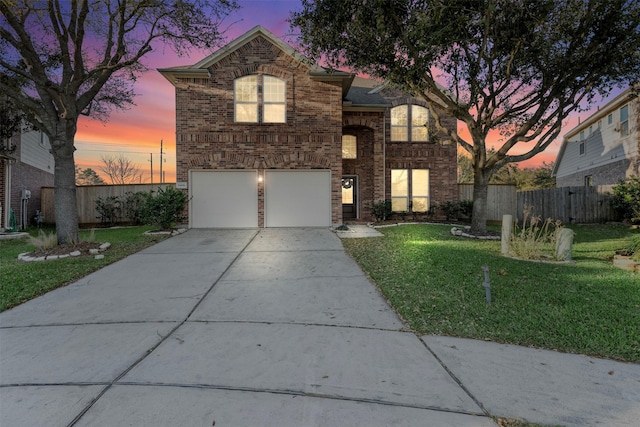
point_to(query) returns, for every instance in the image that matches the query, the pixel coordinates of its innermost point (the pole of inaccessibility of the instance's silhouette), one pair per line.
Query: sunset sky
(136, 133)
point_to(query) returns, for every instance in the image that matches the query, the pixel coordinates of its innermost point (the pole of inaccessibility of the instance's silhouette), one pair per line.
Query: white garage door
(223, 199)
(297, 198)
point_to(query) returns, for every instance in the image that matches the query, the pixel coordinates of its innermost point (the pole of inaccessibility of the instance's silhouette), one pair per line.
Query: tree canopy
(60, 59)
(88, 177)
(518, 68)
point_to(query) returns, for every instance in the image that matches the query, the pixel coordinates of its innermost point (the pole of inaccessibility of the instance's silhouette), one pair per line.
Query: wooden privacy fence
(87, 196)
(501, 199)
(568, 204)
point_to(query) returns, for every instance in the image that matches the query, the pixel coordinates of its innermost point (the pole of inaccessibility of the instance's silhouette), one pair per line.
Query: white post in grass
(507, 229)
(564, 244)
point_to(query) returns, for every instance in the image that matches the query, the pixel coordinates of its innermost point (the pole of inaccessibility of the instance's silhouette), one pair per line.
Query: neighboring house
(265, 138)
(603, 149)
(26, 165)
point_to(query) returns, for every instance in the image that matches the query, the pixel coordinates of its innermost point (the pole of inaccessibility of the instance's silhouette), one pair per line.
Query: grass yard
(22, 281)
(434, 282)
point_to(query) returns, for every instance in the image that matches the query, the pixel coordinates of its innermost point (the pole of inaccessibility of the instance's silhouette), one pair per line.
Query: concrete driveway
(269, 327)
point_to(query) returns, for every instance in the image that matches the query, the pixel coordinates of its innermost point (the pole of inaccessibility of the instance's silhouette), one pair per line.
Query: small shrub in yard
(133, 206)
(449, 209)
(165, 208)
(466, 208)
(109, 209)
(536, 238)
(381, 210)
(626, 199)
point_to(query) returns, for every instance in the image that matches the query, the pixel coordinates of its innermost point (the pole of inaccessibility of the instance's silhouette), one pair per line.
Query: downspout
(384, 156)
(7, 194)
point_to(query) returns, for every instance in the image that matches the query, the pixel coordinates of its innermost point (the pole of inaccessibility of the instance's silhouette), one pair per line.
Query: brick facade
(23, 177)
(207, 136)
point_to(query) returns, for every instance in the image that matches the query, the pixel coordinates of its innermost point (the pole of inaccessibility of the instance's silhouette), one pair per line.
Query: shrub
(466, 208)
(381, 210)
(109, 209)
(626, 199)
(449, 209)
(165, 208)
(133, 206)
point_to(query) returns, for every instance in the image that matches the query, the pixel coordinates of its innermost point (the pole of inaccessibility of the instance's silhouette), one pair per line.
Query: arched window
(248, 99)
(410, 123)
(349, 147)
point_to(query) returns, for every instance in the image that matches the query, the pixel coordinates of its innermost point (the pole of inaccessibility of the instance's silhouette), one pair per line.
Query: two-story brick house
(266, 138)
(604, 148)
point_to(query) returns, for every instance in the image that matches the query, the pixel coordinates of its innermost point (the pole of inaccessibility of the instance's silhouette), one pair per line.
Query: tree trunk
(480, 191)
(66, 208)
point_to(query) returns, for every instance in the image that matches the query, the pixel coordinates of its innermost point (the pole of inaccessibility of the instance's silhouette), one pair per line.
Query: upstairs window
(274, 100)
(409, 123)
(349, 147)
(251, 107)
(246, 99)
(624, 121)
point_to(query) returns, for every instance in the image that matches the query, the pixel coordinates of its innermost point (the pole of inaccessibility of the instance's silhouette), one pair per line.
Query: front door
(349, 198)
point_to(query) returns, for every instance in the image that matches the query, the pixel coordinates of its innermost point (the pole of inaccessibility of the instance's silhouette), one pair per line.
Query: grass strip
(434, 282)
(22, 281)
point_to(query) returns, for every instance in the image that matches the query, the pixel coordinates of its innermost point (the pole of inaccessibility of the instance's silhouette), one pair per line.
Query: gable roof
(201, 68)
(619, 101)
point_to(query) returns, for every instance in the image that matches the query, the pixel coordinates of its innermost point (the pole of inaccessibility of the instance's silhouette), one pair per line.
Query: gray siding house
(603, 149)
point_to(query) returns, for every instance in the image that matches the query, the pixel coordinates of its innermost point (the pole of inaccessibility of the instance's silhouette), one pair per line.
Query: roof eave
(172, 74)
(345, 79)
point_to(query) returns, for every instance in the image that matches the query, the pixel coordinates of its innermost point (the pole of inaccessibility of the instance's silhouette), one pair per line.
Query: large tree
(518, 68)
(61, 59)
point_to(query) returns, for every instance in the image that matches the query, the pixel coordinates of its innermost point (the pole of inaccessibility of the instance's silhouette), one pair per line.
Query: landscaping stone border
(456, 231)
(96, 252)
(172, 232)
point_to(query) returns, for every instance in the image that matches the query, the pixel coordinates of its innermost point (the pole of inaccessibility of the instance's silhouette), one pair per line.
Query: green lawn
(434, 282)
(22, 281)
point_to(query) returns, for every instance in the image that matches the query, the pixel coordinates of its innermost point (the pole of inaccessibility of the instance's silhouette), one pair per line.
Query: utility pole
(151, 156)
(161, 153)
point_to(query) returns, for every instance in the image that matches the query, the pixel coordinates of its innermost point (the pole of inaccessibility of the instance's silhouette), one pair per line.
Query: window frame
(408, 127)
(624, 124)
(237, 101)
(351, 138)
(282, 102)
(261, 99)
(409, 189)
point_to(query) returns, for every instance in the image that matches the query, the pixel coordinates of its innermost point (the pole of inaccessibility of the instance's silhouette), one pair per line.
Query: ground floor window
(410, 190)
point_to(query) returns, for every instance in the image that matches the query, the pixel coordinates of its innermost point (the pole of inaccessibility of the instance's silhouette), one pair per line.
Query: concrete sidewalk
(272, 327)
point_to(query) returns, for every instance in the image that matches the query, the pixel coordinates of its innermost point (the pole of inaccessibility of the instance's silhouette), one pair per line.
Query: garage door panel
(298, 198)
(223, 199)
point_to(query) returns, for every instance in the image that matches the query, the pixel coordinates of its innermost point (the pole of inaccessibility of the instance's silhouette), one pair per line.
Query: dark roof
(364, 93)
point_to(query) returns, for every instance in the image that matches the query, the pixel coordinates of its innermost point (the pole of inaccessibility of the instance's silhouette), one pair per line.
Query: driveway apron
(247, 327)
